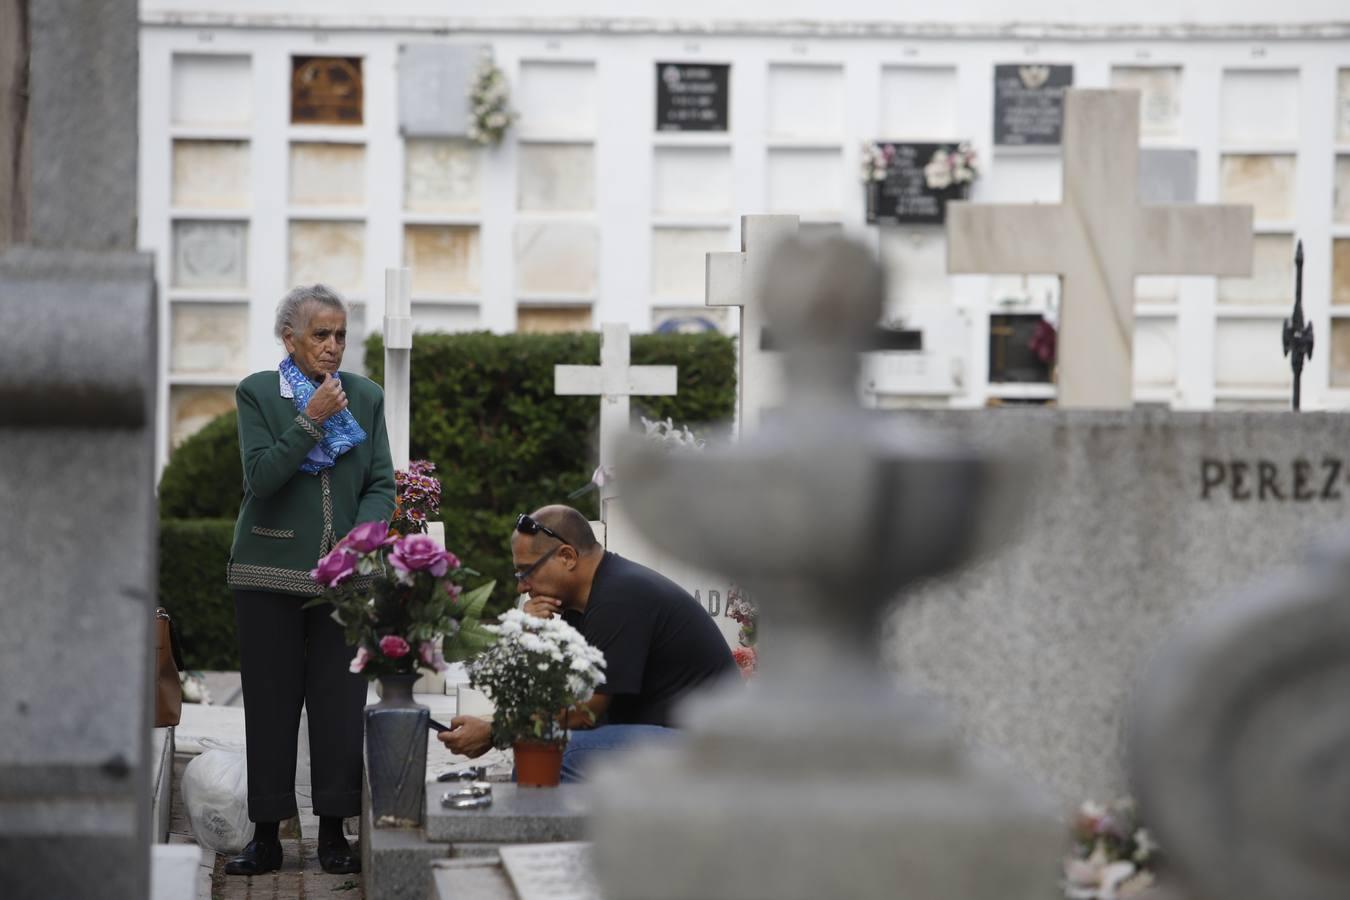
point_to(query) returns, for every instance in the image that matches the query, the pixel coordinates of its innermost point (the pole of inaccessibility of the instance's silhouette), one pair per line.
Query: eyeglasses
(527, 525)
(534, 566)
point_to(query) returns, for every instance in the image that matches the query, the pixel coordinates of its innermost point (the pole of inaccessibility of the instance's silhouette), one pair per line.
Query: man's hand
(329, 399)
(468, 736)
(542, 607)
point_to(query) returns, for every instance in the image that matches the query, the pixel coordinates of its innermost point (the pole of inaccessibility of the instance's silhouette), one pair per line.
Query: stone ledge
(517, 816)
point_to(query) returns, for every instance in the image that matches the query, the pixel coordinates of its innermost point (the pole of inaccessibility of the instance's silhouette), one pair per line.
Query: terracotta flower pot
(538, 764)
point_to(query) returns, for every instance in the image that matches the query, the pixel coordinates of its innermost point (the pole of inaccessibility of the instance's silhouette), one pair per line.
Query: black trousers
(289, 658)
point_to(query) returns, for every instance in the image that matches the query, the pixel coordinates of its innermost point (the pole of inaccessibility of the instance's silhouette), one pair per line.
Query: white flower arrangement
(876, 160)
(949, 167)
(1113, 857)
(490, 113)
(536, 669)
(665, 432)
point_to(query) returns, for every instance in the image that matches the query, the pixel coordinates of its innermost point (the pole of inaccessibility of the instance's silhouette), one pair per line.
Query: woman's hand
(328, 400)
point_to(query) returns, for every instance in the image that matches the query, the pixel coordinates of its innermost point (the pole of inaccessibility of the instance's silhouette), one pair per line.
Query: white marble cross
(733, 280)
(398, 362)
(614, 380)
(1098, 239)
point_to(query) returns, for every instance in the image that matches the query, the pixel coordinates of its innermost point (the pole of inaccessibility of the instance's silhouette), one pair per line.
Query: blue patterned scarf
(341, 432)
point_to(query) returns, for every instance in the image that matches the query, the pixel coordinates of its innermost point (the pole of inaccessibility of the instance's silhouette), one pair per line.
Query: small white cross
(1098, 240)
(614, 380)
(733, 280)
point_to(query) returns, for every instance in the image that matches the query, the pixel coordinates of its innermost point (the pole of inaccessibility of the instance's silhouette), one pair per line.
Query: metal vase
(396, 753)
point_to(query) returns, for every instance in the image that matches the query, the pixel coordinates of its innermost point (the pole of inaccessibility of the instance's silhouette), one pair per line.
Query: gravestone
(78, 338)
(824, 512)
(692, 96)
(1138, 522)
(904, 196)
(1029, 103)
(433, 88)
(1098, 240)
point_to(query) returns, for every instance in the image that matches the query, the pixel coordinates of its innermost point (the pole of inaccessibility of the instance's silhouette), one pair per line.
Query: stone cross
(731, 280)
(736, 809)
(398, 362)
(614, 380)
(1098, 239)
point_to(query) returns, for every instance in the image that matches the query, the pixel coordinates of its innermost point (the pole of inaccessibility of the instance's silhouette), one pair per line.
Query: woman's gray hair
(292, 312)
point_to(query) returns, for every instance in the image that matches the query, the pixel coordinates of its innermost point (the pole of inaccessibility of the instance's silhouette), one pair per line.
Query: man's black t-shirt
(659, 643)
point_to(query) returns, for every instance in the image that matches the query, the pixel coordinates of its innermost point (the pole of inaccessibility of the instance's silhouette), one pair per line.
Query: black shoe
(336, 858)
(258, 857)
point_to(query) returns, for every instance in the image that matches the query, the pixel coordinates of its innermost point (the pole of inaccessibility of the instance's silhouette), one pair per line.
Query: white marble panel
(1343, 106)
(556, 258)
(192, 408)
(555, 178)
(442, 176)
(444, 259)
(1259, 106)
(557, 98)
(429, 317)
(1023, 178)
(809, 183)
(806, 101)
(1156, 289)
(331, 253)
(678, 259)
(212, 89)
(915, 257)
(1340, 353)
(1272, 280)
(689, 319)
(1159, 90)
(208, 339)
(1247, 353)
(692, 181)
(328, 174)
(553, 319)
(1155, 352)
(1340, 271)
(919, 102)
(209, 255)
(1265, 182)
(1341, 200)
(211, 174)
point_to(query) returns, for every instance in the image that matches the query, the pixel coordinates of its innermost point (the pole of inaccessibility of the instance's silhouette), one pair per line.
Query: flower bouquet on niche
(743, 609)
(535, 671)
(417, 498)
(395, 594)
(1113, 857)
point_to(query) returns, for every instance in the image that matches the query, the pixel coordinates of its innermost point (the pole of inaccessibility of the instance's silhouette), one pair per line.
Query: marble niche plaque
(328, 174)
(553, 319)
(809, 183)
(445, 318)
(1340, 271)
(441, 176)
(678, 260)
(327, 90)
(209, 255)
(1340, 353)
(1272, 279)
(915, 257)
(444, 259)
(806, 101)
(433, 88)
(212, 90)
(691, 181)
(555, 178)
(1343, 106)
(919, 102)
(1029, 103)
(1248, 354)
(556, 258)
(1168, 176)
(1259, 106)
(210, 174)
(557, 99)
(1159, 90)
(1264, 181)
(191, 408)
(209, 339)
(332, 253)
(1341, 202)
(1155, 352)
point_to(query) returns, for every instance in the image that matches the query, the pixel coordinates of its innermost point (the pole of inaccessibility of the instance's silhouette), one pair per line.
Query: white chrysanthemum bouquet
(490, 113)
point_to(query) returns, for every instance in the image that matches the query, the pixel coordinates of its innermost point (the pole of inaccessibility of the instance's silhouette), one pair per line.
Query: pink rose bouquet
(402, 600)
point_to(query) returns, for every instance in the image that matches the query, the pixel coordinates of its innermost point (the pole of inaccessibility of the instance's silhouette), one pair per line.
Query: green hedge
(192, 558)
(483, 410)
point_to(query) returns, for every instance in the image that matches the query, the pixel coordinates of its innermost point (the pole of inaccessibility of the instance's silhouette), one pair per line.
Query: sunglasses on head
(527, 525)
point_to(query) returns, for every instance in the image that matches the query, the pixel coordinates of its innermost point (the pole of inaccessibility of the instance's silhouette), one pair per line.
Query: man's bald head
(570, 525)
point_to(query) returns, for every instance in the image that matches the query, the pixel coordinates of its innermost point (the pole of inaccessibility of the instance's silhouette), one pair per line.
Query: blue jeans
(588, 747)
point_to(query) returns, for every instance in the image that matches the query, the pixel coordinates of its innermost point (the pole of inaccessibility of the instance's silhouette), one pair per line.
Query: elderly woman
(316, 462)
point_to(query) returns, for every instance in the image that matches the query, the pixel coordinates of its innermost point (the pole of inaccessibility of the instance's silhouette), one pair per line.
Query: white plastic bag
(215, 794)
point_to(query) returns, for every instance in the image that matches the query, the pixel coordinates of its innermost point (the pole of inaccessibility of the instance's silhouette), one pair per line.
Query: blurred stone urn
(396, 753)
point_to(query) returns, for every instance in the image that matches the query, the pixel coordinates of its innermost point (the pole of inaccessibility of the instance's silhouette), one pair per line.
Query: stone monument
(823, 513)
(78, 338)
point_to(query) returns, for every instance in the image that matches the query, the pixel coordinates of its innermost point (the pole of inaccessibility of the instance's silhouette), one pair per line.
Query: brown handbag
(168, 689)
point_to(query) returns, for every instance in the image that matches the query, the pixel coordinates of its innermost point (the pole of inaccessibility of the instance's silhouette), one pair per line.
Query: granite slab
(517, 816)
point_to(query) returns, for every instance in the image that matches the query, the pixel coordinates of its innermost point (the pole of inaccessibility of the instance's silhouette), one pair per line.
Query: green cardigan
(289, 518)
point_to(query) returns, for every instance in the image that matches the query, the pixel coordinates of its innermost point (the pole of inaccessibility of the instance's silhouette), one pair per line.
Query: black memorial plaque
(1011, 358)
(692, 96)
(1029, 104)
(904, 196)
